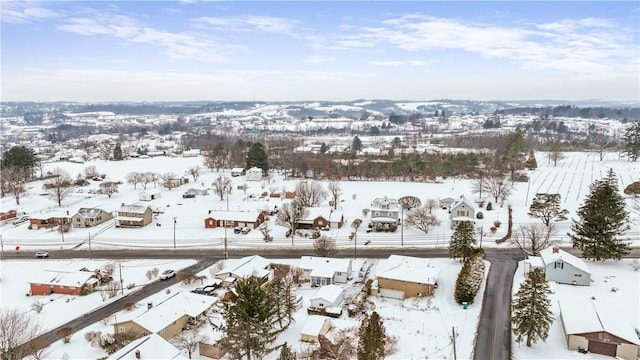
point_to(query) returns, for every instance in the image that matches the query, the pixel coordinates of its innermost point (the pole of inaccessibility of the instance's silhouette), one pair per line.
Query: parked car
(167, 274)
(237, 230)
(205, 290)
(245, 230)
(20, 220)
(188, 195)
(42, 254)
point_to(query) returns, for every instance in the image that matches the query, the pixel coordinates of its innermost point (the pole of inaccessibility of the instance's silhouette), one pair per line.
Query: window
(577, 275)
(122, 329)
(558, 265)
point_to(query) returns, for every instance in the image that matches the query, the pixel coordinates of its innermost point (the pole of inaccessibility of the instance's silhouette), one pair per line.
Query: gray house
(460, 211)
(564, 268)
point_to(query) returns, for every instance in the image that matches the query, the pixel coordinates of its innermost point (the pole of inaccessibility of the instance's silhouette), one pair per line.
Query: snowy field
(422, 327)
(570, 178)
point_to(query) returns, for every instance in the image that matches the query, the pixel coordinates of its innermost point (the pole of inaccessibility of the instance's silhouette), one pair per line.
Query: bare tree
(264, 229)
(409, 202)
(17, 328)
(90, 172)
(37, 306)
(59, 186)
(335, 191)
(431, 204)
(479, 184)
(134, 178)
(148, 177)
(325, 246)
(167, 178)
(13, 181)
(290, 214)
(499, 186)
(194, 171)
(221, 186)
(533, 237)
(421, 219)
(65, 334)
(310, 193)
(188, 340)
(109, 188)
(105, 150)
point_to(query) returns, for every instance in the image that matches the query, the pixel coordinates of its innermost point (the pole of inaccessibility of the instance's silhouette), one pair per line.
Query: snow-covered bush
(469, 279)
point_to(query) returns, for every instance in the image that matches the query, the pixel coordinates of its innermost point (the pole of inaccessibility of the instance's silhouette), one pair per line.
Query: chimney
(149, 305)
(556, 249)
(138, 354)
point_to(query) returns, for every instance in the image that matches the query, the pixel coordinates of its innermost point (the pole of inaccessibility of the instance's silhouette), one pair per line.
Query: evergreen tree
(117, 152)
(603, 219)
(356, 145)
(531, 162)
(286, 353)
(251, 320)
(469, 278)
(546, 207)
(531, 309)
(257, 156)
(324, 148)
(371, 338)
(462, 241)
(632, 141)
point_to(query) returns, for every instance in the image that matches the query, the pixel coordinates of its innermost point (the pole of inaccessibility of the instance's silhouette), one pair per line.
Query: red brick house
(50, 219)
(8, 215)
(233, 219)
(62, 282)
(322, 217)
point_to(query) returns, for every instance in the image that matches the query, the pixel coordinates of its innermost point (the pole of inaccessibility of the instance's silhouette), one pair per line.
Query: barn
(590, 326)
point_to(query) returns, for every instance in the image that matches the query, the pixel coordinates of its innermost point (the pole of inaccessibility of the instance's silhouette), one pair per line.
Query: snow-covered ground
(423, 327)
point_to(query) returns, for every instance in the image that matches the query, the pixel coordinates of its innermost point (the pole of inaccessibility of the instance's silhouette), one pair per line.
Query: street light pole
(174, 232)
(401, 225)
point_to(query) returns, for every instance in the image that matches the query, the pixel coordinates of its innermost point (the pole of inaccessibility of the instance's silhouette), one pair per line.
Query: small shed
(148, 195)
(237, 171)
(254, 174)
(315, 326)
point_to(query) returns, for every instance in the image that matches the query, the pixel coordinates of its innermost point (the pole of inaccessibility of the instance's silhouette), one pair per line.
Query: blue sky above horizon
(316, 50)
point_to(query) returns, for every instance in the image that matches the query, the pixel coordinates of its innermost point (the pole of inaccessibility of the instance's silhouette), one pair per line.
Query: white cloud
(316, 59)
(21, 12)
(251, 23)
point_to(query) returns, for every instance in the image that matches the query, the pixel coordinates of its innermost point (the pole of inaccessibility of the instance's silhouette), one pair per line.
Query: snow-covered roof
(385, 203)
(248, 216)
(62, 278)
(587, 316)
(549, 257)
(461, 201)
(150, 347)
(254, 265)
(331, 264)
(150, 192)
(182, 303)
(331, 293)
(406, 268)
(314, 325)
(89, 212)
(57, 213)
(535, 262)
(237, 169)
(135, 208)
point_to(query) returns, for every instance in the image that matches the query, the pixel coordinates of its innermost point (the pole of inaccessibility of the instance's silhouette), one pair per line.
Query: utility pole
(453, 340)
(121, 285)
(401, 225)
(1, 248)
(174, 232)
(89, 245)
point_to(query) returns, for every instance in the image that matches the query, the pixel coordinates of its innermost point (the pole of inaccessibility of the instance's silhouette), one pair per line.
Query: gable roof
(150, 347)
(324, 264)
(135, 208)
(460, 202)
(247, 216)
(406, 268)
(181, 303)
(89, 212)
(62, 278)
(313, 325)
(587, 316)
(549, 257)
(328, 213)
(254, 265)
(330, 293)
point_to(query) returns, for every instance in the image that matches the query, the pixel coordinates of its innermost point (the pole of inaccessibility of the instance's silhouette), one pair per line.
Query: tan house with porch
(89, 217)
(401, 277)
(168, 317)
(134, 215)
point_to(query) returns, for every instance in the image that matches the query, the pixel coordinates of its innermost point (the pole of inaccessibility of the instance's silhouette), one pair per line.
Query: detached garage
(591, 326)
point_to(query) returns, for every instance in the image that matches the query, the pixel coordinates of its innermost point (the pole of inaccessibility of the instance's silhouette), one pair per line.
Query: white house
(460, 211)
(384, 212)
(324, 270)
(254, 174)
(148, 195)
(565, 268)
(254, 265)
(237, 171)
(327, 296)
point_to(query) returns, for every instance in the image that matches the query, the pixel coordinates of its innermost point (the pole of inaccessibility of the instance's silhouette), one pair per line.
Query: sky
(99, 51)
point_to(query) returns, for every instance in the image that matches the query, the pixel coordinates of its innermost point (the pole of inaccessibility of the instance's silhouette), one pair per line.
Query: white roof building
(406, 268)
(254, 265)
(163, 314)
(148, 347)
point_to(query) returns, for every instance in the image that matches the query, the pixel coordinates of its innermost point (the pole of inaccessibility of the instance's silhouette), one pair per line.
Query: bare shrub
(390, 345)
(155, 271)
(493, 230)
(188, 277)
(497, 223)
(149, 274)
(635, 264)
(37, 307)
(129, 306)
(112, 288)
(130, 286)
(65, 334)
(325, 246)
